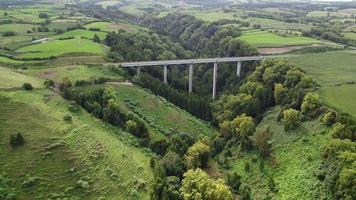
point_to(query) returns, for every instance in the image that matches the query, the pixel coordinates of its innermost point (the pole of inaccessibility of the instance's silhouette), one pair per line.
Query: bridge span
(190, 62)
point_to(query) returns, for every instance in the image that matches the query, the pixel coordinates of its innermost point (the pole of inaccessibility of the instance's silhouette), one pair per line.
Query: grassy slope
(90, 150)
(341, 97)
(109, 27)
(80, 33)
(162, 113)
(73, 73)
(296, 156)
(60, 47)
(17, 28)
(10, 79)
(328, 67)
(267, 39)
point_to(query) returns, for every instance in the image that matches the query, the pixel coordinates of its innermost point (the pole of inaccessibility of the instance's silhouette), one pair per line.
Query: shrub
(27, 86)
(290, 119)
(43, 15)
(342, 131)
(261, 141)
(8, 33)
(131, 126)
(68, 118)
(234, 181)
(279, 93)
(48, 83)
(310, 104)
(197, 155)
(16, 140)
(83, 184)
(173, 164)
(329, 118)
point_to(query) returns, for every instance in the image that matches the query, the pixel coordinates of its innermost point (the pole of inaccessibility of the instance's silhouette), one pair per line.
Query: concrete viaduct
(190, 62)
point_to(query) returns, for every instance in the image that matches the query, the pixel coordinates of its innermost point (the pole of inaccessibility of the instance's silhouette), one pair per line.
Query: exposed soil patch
(279, 50)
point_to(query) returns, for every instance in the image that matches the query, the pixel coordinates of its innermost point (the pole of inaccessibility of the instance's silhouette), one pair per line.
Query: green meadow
(74, 73)
(81, 33)
(11, 79)
(331, 67)
(268, 39)
(109, 27)
(60, 47)
(341, 97)
(17, 28)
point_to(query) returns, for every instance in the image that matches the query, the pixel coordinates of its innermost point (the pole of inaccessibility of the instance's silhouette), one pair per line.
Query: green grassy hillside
(87, 158)
(268, 39)
(73, 73)
(60, 47)
(296, 155)
(161, 116)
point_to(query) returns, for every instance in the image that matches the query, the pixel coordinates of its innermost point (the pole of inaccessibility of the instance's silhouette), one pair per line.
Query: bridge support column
(215, 74)
(190, 78)
(138, 71)
(165, 71)
(238, 73)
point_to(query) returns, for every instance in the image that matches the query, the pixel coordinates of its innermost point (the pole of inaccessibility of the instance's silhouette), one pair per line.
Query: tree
(291, 119)
(310, 104)
(96, 38)
(279, 93)
(173, 164)
(342, 131)
(261, 141)
(8, 33)
(16, 140)
(131, 126)
(27, 86)
(234, 181)
(197, 185)
(43, 15)
(329, 118)
(197, 155)
(244, 126)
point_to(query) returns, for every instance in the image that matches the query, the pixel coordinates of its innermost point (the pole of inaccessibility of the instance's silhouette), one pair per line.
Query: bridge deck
(188, 61)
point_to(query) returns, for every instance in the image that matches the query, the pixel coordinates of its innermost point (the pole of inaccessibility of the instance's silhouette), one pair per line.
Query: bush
(310, 104)
(291, 119)
(329, 118)
(342, 131)
(43, 15)
(234, 181)
(261, 142)
(131, 126)
(8, 33)
(16, 140)
(49, 83)
(27, 86)
(68, 118)
(197, 155)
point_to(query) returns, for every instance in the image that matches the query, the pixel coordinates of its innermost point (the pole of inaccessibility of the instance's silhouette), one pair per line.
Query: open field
(210, 15)
(278, 25)
(268, 39)
(341, 97)
(12, 79)
(73, 73)
(106, 4)
(350, 35)
(81, 33)
(109, 27)
(295, 154)
(17, 28)
(328, 67)
(60, 47)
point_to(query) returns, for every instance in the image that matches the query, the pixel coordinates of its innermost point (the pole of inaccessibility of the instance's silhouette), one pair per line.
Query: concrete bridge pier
(215, 74)
(238, 73)
(138, 71)
(190, 78)
(165, 72)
